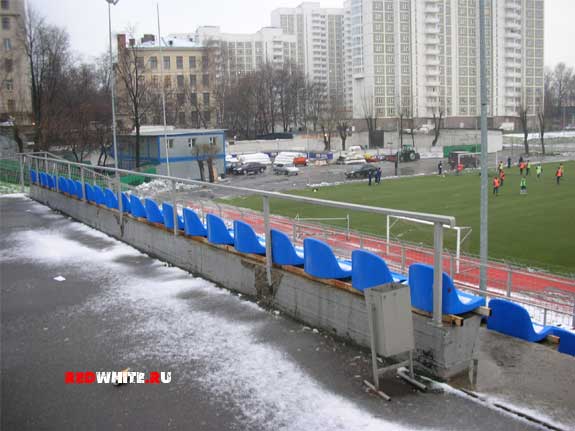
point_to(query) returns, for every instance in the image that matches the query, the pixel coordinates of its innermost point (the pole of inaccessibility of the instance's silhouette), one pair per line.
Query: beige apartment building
(187, 71)
(15, 96)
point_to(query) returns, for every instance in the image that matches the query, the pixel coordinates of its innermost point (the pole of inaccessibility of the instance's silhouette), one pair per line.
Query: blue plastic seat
(168, 211)
(33, 176)
(153, 211)
(111, 199)
(90, 195)
(71, 187)
(193, 225)
(512, 319)
(246, 240)
(454, 301)
(369, 270)
(126, 207)
(218, 233)
(99, 196)
(566, 341)
(62, 185)
(78, 189)
(43, 180)
(284, 252)
(137, 208)
(51, 182)
(320, 261)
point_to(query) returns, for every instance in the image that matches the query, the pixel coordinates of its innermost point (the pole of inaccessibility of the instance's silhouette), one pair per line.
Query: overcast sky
(87, 20)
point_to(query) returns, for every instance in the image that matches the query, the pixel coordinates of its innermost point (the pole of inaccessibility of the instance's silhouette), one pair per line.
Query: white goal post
(462, 233)
(476, 157)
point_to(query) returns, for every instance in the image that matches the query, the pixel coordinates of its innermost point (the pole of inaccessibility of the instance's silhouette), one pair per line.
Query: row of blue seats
(512, 319)
(365, 269)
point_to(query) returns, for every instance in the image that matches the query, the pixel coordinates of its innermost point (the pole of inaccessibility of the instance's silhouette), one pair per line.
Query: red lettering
(90, 377)
(80, 377)
(154, 377)
(68, 377)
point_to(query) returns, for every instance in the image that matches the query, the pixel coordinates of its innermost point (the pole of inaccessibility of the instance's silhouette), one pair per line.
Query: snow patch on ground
(234, 363)
(160, 186)
(493, 402)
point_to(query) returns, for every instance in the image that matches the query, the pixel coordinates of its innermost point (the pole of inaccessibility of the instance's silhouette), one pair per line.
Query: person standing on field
(502, 177)
(496, 186)
(538, 170)
(440, 167)
(369, 174)
(509, 162)
(523, 186)
(559, 173)
(528, 166)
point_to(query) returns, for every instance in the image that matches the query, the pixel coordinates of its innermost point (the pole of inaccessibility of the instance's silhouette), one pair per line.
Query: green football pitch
(536, 229)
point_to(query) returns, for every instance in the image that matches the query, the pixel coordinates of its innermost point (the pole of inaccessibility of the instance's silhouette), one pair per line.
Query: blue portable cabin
(181, 145)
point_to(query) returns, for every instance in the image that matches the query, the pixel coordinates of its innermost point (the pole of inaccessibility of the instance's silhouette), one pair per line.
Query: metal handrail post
(174, 203)
(21, 162)
(266, 205)
(83, 180)
(509, 280)
(437, 274)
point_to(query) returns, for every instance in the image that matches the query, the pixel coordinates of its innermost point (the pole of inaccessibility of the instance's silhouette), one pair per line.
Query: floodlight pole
(484, 162)
(162, 86)
(113, 91)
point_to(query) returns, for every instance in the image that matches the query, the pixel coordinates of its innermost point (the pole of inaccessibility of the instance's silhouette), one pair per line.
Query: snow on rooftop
(172, 42)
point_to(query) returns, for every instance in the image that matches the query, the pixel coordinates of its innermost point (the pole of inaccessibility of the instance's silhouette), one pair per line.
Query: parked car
(286, 170)
(249, 168)
(361, 172)
(300, 161)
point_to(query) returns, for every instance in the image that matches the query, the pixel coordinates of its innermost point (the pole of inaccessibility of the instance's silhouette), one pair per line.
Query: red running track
(522, 280)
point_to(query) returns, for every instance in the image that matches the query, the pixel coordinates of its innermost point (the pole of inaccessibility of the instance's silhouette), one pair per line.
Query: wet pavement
(234, 365)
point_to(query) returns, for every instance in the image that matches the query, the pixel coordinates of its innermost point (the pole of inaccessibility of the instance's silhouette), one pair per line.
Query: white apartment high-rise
(242, 53)
(421, 58)
(320, 42)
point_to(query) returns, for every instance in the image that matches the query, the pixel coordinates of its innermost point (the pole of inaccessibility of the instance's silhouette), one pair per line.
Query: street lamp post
(113, 91)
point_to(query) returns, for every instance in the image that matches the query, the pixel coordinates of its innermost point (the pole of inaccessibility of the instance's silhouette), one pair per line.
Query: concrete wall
(442, 352)
(423, 142)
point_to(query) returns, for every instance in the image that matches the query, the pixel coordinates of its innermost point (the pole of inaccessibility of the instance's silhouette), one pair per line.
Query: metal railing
(554, 302)
(65, 166)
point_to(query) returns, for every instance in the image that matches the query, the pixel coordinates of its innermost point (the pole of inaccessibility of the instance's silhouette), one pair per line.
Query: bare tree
(205, 153)
(369, 116)
(562, 76)
(524, 126)
(47, 53)
(134, 93)
(541, 119)
(438, 124)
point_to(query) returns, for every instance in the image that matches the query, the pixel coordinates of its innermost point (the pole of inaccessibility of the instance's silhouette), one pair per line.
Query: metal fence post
(348, 229)
(174, 203)
(437, 273)
(403, 258)
(37, 163)
(83, 181)
(266, 205)
(120, 203)
(387, 234)
(509, 280)
(452, 265)
(69, 170)
(21, 161)
(294, 231)
(544, 316)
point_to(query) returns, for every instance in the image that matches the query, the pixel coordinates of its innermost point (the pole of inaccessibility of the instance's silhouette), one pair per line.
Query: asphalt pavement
(234, 365)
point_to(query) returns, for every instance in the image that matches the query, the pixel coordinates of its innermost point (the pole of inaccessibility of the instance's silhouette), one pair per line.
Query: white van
(262, 158)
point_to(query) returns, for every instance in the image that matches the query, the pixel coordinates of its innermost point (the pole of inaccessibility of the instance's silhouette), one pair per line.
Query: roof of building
(159, 131)
(172, 42)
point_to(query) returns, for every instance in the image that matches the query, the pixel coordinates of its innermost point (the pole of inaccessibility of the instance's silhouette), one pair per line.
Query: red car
(300, 161)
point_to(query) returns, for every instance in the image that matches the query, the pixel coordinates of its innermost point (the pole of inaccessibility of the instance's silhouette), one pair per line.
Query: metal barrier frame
(437, 220)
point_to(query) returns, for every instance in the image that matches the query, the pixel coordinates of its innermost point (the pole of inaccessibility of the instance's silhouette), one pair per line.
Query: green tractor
(408, 154)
